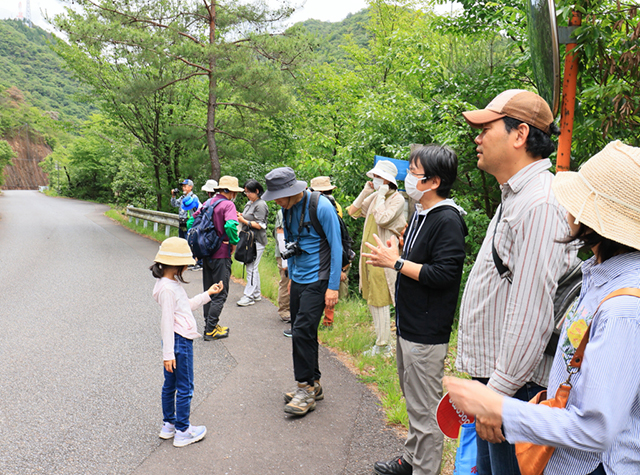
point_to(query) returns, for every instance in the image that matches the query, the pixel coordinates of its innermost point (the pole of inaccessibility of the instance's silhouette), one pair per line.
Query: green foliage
(28, 63)
(6, 155)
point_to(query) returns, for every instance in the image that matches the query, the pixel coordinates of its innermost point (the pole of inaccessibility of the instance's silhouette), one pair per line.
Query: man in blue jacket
(314, 263)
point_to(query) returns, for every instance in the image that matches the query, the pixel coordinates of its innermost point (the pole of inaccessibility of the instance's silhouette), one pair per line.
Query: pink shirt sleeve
(167, 302)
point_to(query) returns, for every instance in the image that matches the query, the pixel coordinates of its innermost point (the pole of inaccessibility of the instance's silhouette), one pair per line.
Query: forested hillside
(28, 63)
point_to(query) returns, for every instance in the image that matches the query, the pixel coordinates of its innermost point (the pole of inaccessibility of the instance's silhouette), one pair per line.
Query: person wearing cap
(324, 186)
(190, 204)
(254, 217)
(598, 432)
(506, 320)
(178, 328)
(176, 202)
(218, 266)
(314, 269)
(383, 209)
(429, 274)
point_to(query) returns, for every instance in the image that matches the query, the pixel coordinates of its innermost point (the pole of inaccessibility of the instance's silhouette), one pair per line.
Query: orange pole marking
(567, 111)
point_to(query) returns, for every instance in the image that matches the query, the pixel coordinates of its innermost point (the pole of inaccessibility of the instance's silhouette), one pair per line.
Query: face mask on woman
(377, 183)
(411, 182)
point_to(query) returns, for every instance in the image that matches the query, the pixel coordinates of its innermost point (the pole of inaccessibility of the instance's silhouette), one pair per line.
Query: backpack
(568, 291)
(203, 238)
(246, 247)
(347, 252)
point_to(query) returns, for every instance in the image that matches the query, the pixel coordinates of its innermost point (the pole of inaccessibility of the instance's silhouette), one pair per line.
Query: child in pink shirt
(178, 328)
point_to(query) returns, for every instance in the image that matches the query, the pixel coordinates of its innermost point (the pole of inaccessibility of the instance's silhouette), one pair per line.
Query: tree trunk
(212, 100)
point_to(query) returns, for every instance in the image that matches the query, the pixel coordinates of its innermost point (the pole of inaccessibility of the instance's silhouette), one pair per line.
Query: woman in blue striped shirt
(599, 430)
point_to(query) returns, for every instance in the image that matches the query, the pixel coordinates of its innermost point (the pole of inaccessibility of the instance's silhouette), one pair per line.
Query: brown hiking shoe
(303, 401)
(317, 389)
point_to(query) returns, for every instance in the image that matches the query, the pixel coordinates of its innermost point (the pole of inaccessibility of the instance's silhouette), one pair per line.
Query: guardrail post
(155, 227)
(144, 223)
(167, 231)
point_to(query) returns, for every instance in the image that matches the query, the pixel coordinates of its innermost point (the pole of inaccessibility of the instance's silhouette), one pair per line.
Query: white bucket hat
(605, 193)
(210, 186)
(175, 251)
(384, 169)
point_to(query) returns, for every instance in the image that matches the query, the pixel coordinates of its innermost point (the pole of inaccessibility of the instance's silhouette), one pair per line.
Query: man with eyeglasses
(427, 288)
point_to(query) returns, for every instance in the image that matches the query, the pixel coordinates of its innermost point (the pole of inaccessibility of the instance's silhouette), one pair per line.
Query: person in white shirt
(178, 327)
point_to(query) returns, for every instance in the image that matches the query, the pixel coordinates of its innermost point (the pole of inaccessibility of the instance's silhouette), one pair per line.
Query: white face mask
(377, 183)
(411, 182)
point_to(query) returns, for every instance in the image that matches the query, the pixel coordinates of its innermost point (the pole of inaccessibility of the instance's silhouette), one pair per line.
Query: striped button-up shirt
(601, 422)
(504, 327)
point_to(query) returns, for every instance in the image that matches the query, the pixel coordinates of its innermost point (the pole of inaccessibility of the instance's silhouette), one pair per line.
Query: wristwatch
(399, 263)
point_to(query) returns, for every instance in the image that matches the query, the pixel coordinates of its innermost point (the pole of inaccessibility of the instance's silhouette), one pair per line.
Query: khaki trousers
(283, 292)
(421, 369)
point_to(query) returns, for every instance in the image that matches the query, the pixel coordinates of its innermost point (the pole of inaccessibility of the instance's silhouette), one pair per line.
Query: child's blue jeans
(177, 390)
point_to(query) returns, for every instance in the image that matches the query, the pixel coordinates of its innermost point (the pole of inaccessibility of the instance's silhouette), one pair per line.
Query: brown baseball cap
(526, 106)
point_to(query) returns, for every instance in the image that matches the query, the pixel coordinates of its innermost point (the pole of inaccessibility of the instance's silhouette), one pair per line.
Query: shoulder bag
(533, 458)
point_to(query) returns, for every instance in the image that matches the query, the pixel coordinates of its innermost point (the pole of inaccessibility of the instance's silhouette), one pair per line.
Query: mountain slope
(28, 63)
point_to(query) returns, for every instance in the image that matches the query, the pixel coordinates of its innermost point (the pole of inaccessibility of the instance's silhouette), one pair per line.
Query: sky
(325, 10)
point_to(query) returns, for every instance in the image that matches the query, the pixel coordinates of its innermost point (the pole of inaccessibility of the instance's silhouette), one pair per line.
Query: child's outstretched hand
(170, 365)
(216, 288)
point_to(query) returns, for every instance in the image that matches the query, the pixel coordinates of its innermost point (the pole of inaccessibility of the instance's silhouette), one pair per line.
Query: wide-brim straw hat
(210, 186)
(605, 193)
(175, 251)
(229, 183)
(321, 183)
(282, 183)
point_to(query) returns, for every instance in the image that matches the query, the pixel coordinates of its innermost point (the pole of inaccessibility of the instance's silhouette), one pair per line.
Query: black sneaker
(396, 466)
(287, 333)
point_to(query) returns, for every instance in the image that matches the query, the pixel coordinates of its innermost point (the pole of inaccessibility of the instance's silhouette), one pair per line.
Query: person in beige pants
(383, 209)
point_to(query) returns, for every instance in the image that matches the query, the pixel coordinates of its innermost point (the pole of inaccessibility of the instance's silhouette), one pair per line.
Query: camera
(176, 191)
(291, 249)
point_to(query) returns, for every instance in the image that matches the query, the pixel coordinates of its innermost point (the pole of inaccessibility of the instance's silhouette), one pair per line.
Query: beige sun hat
(175, 251)
(384, 169)
(210, 186)
(321, 183)
(229, 183)
(605, 193)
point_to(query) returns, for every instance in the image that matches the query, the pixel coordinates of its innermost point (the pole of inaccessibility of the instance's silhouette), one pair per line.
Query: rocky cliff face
(26, 174)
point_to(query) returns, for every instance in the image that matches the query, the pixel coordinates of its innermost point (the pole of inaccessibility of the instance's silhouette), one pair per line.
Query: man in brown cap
(506, 314)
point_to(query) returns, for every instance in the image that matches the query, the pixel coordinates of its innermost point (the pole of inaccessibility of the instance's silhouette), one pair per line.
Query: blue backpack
(203, 238)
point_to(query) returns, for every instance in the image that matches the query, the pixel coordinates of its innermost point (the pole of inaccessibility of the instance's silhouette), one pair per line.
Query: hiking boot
(245, 301)
(216, 334)
(285, 318)
(258, 298)
(397, 466)
(287, 333)
(317, 392)
(168, 431)
(303, 401)
(189, 436)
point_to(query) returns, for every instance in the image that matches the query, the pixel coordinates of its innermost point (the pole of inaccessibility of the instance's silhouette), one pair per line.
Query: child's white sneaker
(168, 431)
(189, 436)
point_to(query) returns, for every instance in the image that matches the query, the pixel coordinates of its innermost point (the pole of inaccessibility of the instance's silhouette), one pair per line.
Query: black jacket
(425, 308)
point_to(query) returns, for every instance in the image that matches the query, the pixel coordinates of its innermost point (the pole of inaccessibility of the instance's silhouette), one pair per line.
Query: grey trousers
(421, 369)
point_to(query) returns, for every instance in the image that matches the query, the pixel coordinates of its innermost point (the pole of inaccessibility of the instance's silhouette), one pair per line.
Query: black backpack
(568, 291)
(347, 252)
(203, 238)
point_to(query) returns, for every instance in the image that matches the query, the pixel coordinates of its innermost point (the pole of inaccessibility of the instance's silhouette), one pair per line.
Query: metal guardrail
(156, 217)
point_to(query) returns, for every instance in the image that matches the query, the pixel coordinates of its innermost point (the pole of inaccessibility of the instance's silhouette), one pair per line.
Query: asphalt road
(81, 365)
